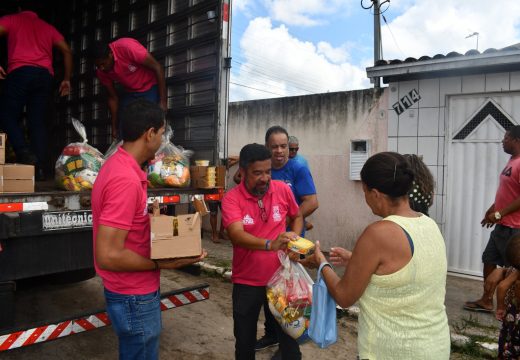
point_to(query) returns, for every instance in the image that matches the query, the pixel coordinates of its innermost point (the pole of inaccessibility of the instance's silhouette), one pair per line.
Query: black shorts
(495, 251)
(213, 207)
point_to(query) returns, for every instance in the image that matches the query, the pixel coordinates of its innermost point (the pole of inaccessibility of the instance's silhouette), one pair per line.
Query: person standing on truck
(254, 214)
(29, 79)
(128, 63)
(121, 235)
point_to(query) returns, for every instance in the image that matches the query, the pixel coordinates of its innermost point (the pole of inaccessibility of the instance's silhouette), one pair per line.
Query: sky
(301, 47)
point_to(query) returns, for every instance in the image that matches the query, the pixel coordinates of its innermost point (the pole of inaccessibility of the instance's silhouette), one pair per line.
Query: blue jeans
(151, 94)
(26, 86)
(136, 320)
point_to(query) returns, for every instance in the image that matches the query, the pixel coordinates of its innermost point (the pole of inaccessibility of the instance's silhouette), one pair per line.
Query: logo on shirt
(248, 220)
(132, 67)
(507, 171)
(276, 213)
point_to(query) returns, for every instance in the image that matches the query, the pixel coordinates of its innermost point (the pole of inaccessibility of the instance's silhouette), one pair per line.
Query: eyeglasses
(263, 213)
(294, 149)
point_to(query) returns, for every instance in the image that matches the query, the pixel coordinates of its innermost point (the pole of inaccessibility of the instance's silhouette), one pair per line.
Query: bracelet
(267, 244)
(325, 263)
(156, 263)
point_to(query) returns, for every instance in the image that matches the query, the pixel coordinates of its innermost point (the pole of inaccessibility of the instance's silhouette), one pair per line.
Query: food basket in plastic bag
(171, 165)
(79, 163)
(289, 294)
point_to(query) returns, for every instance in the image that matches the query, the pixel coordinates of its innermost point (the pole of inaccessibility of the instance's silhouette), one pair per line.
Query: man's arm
(308, 205)
(113, 105)
(297, 223)
(3, 32)
(240, 237)
(64, 48)
(152, 64)
(514, 206)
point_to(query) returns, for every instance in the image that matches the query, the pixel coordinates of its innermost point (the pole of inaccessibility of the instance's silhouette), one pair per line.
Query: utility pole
(377, 38)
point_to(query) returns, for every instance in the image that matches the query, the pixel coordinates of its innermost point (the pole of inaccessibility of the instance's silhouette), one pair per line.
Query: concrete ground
(475, 326)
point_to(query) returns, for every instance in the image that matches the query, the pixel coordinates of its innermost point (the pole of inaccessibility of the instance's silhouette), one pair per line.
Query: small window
(359, 153)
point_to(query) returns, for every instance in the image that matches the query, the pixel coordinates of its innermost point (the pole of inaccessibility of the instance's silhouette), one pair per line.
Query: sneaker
(265, 342)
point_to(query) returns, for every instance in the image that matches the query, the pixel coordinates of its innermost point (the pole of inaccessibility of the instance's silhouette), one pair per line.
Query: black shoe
(265, 342)
(277, 355)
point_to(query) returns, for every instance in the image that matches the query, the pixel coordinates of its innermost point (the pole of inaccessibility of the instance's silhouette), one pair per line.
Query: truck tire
(72, 276)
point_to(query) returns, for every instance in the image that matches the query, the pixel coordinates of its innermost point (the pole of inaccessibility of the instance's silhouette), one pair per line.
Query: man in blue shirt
(299, 179)
(294, 146)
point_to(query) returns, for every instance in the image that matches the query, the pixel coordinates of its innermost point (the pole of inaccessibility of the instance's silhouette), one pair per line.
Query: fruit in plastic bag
(289, 295)
(79, 163)
(171, 165)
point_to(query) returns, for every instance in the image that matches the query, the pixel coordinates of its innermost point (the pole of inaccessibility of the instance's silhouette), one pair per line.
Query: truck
(49, 231)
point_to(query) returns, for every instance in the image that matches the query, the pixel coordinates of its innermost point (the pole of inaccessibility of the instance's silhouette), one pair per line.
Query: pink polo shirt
(128, 68)
(119, 201)
(29, 41)
(256, 267)
(508, 191)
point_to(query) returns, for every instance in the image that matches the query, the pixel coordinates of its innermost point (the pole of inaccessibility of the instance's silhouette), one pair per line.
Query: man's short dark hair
(252, 153)
(277, 129)
(514, 132)
(138, 117)
(98, 50)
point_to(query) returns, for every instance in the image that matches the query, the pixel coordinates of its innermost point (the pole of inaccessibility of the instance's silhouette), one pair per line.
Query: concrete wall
(325, 124)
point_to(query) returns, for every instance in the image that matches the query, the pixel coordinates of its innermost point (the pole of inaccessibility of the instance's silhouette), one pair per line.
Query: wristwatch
(498, 216)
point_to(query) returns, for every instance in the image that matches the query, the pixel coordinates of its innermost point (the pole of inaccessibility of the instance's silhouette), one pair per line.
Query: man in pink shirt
(254, 214)
(504, 214)
(28, 81)
(121, 235)
(128, 63)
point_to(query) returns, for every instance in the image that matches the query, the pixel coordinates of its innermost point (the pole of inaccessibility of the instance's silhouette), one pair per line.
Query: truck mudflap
(93, 320)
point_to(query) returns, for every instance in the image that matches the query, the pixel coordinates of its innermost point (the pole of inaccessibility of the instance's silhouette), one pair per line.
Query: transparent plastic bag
(171, 165)
(79, 163)
(289, 294)
(112, 148)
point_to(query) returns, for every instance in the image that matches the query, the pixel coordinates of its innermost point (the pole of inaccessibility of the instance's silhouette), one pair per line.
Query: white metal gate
(476, 127)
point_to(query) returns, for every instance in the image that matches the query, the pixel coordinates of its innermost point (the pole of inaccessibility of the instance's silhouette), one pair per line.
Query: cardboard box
(16, 178)
(175, 236)
(3, 138)
(200, 178)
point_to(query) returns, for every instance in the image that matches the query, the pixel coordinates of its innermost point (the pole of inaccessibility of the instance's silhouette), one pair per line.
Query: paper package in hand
(171, 165)
(79, 163)
(289, 294)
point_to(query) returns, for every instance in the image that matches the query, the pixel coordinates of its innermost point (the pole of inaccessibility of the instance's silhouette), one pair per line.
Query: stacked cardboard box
(208, 177)
(2, 148)
(16, 178)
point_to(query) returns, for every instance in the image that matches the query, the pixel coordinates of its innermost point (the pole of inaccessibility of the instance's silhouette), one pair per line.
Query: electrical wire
(250, 87)
(393, 37)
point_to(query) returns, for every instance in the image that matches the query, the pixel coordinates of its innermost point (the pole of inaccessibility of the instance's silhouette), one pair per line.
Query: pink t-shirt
(256, 267)
(508, 191)
(29, 41)
(119, 201)
(128, 68)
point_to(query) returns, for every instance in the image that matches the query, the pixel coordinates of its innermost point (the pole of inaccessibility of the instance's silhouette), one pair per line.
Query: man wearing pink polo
(254, 214)
(127, 62)
(121, 235)
(28, 81)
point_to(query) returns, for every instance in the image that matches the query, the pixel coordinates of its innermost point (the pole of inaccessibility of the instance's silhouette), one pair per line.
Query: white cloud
(304, 12)
(280, 64)
(241, 5)
(429, 27)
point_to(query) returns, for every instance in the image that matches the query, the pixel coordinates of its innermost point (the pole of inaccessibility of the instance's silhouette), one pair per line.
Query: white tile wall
(440, 153)
(407, 145)
(392, 144)
(514, 83)
(428, 122)
(473, 83)
(405, 87)
(393, 95)
(429, 92)
(392, 122)
(428, 148)
(408, 123)
(448, 86)
(497, 82)
(442, 121)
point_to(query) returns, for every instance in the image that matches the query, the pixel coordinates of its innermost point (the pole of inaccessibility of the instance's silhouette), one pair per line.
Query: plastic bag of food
(79, 163)
(289, 294)
(112, 148)
(171, 165)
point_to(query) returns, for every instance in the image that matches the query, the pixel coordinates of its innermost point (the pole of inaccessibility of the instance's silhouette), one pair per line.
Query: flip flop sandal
(473, 306)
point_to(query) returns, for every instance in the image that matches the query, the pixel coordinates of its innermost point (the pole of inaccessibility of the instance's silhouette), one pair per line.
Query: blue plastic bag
(322, 328)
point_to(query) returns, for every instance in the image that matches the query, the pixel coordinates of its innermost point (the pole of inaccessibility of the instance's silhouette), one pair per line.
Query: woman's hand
(340, 256)
(315, 260)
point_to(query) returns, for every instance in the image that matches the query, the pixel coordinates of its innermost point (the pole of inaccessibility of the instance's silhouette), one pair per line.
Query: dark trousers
(28, 86)
(247, 302)
(126, 98)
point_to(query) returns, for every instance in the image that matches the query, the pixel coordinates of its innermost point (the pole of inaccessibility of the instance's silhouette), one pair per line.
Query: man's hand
(489, 218)
(178, 263)
(65, 88)
(281, 241)
(315, 260)
(3, 74)
(340, 256)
